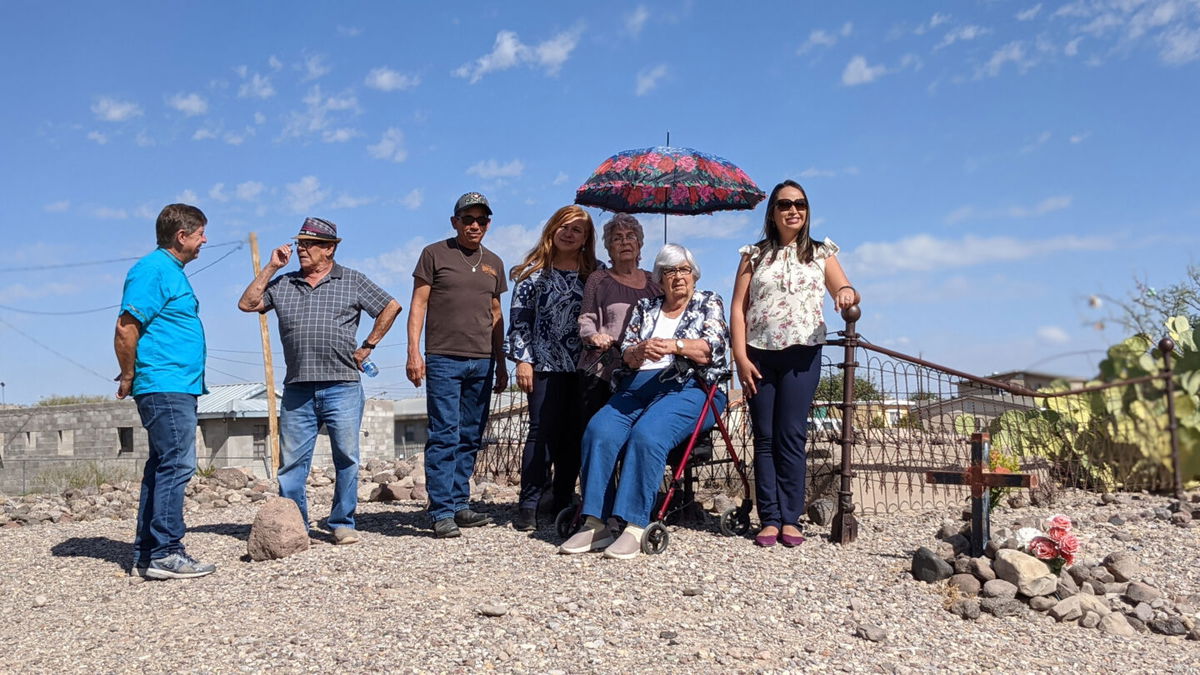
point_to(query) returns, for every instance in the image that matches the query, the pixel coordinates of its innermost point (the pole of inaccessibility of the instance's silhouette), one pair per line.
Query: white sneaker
(588, 539)
(627, 546)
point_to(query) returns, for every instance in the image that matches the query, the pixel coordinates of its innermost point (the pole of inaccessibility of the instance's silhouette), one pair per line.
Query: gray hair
(673, 255)
(622, 220)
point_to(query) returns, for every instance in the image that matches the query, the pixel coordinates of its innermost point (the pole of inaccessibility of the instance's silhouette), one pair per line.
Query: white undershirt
(664, 327)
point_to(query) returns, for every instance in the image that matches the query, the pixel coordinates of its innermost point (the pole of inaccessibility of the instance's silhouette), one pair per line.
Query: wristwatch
(367, 345)
(679, 346)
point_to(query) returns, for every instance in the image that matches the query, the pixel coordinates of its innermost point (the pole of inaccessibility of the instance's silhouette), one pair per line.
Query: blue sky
(986, 167)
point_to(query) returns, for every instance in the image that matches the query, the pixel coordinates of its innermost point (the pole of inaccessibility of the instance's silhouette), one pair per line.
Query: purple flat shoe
(766, 540)
(791, 540)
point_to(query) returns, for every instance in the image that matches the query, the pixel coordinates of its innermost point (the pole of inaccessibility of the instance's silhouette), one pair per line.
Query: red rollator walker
(682, 461)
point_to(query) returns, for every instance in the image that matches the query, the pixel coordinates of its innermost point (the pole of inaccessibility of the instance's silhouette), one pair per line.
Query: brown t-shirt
(458, 321)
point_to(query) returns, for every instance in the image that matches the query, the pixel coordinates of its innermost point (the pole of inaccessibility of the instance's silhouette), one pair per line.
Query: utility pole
(269, 370)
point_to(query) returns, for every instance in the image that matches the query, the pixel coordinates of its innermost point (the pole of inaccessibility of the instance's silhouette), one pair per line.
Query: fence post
(1167, 347)
(845, 525)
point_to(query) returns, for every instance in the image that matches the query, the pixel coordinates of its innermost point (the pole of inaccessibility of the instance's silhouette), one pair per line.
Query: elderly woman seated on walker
(674, 348)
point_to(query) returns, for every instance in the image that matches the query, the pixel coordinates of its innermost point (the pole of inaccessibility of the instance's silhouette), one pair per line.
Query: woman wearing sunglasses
(543, 339)
(777, 331)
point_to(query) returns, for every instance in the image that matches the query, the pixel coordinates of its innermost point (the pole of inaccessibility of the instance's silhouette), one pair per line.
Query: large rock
(1031, 576)
(966, 608)
(1123, 566)
(967, 584)
(233, 479)
(278, 531)
(1116, 624)
(395, 491)
(928, 567)
(1170, 625)
(1140, 592)
(981, 567)
(999, 588)
(1002, 607)
(1074, 607)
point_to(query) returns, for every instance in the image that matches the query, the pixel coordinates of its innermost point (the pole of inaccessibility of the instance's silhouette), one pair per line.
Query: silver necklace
(468, 262)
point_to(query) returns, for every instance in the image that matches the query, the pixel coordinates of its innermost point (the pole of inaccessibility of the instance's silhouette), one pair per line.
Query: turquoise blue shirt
(170, 349)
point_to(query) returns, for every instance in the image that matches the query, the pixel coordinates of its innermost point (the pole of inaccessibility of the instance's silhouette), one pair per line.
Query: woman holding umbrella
(543, 340)
(607, 298)
(777, 330)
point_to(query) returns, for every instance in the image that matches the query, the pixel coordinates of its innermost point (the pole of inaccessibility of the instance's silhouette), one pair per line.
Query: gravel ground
(403, 601)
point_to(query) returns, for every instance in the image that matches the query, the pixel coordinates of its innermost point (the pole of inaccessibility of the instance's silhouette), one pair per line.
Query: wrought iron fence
(896, 417)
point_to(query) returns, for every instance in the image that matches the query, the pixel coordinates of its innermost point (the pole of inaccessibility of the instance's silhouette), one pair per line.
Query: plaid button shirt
(319, 325)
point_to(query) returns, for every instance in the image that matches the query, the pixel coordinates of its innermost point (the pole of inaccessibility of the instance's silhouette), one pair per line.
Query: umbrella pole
(665, 215)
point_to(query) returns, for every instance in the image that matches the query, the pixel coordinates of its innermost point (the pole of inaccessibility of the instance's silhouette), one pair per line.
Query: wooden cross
(980, 480)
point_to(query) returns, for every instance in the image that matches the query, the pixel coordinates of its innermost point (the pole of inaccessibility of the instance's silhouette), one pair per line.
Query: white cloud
(1013, 52)
(57, 207)
(259, 118)
(509, 52)
(390, 146)
(814, 172)
(189, 104)
(1038, 142)
(1053, 335)
(386, 79)
(961, 34)
(345, 201)
(349, 31)
(319, 114)
(490, 169)
(1047, 205)
(235, 138)
(106, 213)
(1079, 138)
(258, 86)
(560, 178)
(635, 21)
(817, 38)
(203, 135)
(187, 197)
(934, 21)
(339, 135)
(396, 266)
(143, 140)
(305, 194)
(971, 214)
(647, 79)
(249, 190)
(723, 225)
(314, 67)
(1072, 47)
(923, 253)
(1180, 45)
(113, 110)
(272, 61)
(510, 242)
(857, 72)
(413, 200)
(97, 137)
(1030, 13)
(217, 193)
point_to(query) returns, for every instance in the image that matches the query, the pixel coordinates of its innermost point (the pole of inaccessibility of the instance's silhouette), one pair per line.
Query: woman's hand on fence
(749, 376)
(525, 376)
(846, 296)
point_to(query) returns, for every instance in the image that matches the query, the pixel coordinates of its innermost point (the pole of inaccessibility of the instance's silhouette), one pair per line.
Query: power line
(108, 307)
(54, 351)
(56, 266)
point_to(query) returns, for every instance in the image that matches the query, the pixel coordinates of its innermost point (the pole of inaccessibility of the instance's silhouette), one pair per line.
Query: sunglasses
(471, 220)
(676, 271)
(308, 243)
(784, 205)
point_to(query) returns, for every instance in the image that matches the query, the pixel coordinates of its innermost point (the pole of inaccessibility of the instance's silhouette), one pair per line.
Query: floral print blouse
(703, 318)
(543, 326)
(786, 297)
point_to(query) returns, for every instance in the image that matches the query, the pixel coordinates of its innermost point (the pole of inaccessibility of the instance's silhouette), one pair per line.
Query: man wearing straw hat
(318, 308)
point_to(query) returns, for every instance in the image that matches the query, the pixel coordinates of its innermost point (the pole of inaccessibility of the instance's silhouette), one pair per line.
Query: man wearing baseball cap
(318, 308)
(456, 301)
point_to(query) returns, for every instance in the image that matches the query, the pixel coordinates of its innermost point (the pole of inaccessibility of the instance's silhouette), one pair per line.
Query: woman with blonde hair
(543, 340)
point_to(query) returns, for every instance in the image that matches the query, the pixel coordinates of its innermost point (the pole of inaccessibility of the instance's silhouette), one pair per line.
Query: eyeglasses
(471, 220)
(306, 243)
(676, 271)
(625, 236)
(785, 205)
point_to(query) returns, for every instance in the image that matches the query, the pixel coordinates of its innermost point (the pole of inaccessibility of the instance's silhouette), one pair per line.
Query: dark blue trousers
(779, 417)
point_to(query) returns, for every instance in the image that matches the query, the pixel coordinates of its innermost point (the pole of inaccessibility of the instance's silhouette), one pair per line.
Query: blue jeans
(779, 418)
(458, 391)
(640, 424)
(306, 406)
(170, 422)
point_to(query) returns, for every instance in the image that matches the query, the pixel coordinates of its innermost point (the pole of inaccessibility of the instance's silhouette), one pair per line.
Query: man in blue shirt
(160, 347)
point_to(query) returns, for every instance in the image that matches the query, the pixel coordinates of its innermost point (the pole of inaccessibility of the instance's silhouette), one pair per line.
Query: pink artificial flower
(1057, 534)
(686, 163)
(1068, 558)
(1068, 545)
(1059, 521)
(1043, 548)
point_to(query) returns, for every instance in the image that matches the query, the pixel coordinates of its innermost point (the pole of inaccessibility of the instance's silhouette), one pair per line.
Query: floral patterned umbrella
(665, 179)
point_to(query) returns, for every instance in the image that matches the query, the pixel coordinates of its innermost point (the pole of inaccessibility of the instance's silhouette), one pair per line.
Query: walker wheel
(655, 539)
(734, 523)
(564, 522)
